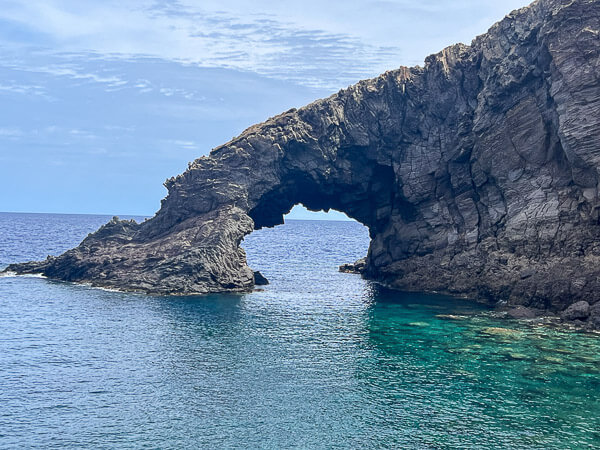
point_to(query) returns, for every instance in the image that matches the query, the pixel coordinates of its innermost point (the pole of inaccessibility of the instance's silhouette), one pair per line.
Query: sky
(103, 100)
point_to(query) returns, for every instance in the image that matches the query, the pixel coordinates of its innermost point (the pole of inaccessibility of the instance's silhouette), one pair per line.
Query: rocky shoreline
(476, 174)
(580, 315)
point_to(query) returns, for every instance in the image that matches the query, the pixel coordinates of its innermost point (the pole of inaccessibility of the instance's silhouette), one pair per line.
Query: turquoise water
(318, 359)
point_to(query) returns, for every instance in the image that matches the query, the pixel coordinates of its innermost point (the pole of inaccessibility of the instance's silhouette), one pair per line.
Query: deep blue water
(318, 359)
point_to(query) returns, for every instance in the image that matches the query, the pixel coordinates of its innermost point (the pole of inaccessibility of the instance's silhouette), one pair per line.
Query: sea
(316, 359)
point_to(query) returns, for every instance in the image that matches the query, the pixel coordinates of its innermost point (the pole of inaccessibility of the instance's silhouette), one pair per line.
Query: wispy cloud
(315, 43)
(82, 134)
(73, 72)
(187, 145)
(11, 132)
(189, 34)
(25, 89)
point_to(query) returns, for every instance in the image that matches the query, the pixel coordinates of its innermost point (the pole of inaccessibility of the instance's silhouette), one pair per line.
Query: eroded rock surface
(476, 174)
(577, 311)
(359, 266)
(260, 279)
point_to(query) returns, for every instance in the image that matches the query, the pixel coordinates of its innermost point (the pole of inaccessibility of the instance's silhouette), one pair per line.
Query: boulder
(260, 279)
(595, 315)
(359, 266)
(577, 311)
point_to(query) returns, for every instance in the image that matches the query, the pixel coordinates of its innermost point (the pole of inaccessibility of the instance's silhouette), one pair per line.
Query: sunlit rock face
(476, 174)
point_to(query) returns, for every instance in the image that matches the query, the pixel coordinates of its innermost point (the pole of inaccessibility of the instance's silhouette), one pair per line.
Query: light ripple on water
(318, 359)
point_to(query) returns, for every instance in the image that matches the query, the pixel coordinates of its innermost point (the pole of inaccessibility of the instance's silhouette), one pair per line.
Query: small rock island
(477, 175)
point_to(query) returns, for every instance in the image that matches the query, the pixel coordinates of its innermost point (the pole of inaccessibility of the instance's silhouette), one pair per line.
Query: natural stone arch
(476, 174)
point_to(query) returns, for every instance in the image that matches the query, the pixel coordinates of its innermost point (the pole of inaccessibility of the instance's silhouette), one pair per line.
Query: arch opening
(306, 251)
(368, 202)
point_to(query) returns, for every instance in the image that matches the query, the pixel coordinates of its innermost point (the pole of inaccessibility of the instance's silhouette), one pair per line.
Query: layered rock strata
(476, 175)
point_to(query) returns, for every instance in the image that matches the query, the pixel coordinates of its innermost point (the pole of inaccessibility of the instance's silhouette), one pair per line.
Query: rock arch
(476, 174)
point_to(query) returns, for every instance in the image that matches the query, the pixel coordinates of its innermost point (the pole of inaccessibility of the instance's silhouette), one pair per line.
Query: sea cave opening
(305, 252)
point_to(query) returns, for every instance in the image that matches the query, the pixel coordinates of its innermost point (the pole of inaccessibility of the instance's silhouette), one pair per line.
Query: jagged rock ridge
(476, 174)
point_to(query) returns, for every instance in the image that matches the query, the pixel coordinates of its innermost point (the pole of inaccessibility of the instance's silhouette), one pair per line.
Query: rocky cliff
(476, 174)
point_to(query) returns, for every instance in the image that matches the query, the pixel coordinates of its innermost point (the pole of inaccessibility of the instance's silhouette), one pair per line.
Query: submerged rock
(418, 324)
(497, 331)
(451, 317)
(522, 312)
(476, 174)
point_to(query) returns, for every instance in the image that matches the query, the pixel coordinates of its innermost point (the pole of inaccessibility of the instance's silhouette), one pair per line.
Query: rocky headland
(476, 174)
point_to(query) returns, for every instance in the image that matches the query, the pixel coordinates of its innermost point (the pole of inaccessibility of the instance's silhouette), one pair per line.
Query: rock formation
(476, 175)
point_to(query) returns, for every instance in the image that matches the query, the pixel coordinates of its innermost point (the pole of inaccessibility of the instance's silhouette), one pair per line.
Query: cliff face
(476, 175)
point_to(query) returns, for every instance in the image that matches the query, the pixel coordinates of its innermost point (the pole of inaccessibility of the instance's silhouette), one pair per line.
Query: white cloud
(119, 128)
(11, 132)
(187, 145)
(17, 88)
(316, 43)
(75, 74)
(83, 134)
(183, 93)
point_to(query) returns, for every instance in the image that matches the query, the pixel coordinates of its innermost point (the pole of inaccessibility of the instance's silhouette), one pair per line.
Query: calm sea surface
(319, 359)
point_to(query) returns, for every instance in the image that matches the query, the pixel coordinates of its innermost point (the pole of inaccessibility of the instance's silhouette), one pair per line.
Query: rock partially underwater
(476, 174)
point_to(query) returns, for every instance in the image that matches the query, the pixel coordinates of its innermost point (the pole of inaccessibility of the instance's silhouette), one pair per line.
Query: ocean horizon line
(148, 216)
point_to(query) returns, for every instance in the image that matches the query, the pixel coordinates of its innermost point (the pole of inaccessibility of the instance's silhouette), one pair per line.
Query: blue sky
(103, 100)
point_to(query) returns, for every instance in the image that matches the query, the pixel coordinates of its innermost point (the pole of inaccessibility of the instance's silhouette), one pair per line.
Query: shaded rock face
(359, 266)
(577, 311)
(476, 174)
(260, 279)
